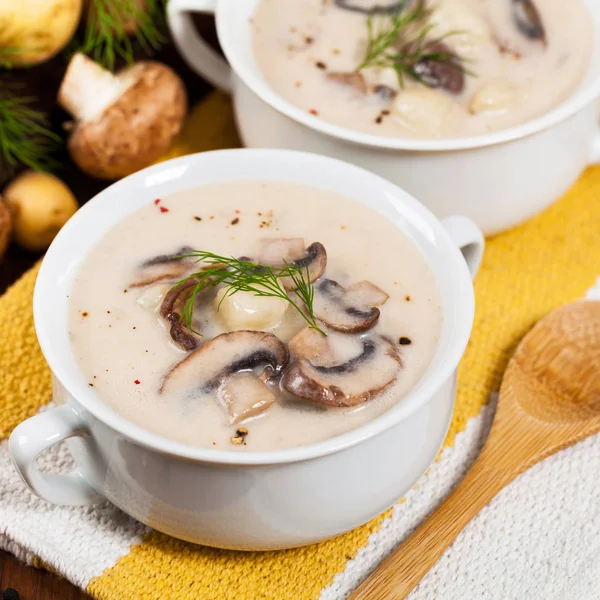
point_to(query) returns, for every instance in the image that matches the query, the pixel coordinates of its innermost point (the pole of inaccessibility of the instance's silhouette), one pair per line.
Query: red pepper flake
(298, 84)
(157, 201)
(164, 209)
(137, 382)
(237, 212)
(235, 221)
(313, 111)
(212, 217)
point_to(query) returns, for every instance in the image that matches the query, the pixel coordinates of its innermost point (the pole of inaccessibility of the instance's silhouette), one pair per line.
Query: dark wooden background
(43, 82)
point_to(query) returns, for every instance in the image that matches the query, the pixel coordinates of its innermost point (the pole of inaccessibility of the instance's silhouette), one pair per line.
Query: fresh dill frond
(109, 25)
(237, 275)
(25, 135)
(402, 41)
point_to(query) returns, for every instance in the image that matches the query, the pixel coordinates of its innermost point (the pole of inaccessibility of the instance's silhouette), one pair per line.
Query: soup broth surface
(124, 348)
(510, 79)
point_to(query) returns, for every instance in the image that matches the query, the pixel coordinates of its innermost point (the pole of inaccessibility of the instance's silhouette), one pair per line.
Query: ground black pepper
(198, 218)
(235, 221)
(321, 65)
(404, 341)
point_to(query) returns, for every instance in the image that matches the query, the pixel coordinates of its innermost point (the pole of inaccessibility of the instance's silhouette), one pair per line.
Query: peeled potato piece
(245, 310)
(495, 96)
(422, 110)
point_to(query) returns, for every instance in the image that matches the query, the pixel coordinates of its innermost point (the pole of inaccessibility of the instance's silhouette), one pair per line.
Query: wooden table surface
(43, 81)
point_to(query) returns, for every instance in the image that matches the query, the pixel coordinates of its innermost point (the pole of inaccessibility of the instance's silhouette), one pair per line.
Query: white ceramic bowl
(252, 500)
(498, 180)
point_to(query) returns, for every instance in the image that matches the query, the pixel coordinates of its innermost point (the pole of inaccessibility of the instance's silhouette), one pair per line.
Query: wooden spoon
(549, 399)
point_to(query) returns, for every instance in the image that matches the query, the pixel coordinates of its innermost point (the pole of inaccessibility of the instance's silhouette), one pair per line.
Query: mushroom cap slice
(314, 261)
(165, 266)
(350, 310)
(278, 252)
(348, 383)
(134, 115)
(171, 309)
(204, 370)
(244, 395)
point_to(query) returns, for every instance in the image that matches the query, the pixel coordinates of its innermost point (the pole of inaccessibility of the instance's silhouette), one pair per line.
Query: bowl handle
(40, 432)
(196, 52)
(466, 235)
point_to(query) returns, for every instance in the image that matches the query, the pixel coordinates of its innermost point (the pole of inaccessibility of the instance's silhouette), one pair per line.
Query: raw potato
(494, 96)
(422, 110)
(6, 226)
(244, 310)
(124, 122)
(455, 16)
(41, 205)
(41, 28)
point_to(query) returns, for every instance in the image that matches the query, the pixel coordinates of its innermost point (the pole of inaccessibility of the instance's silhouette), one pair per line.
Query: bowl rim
(226, 12)
(80, 394)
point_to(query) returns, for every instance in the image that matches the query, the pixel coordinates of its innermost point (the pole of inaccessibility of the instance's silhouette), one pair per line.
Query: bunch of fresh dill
(403, 40)
(114, 26)
(240, 275)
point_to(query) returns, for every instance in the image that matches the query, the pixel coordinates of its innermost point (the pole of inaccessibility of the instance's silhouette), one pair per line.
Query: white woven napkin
(539, 539)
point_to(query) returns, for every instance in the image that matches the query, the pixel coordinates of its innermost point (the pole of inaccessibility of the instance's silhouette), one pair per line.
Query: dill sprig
(401, 41)
(106, 37)
(25, 135)
(238, 275)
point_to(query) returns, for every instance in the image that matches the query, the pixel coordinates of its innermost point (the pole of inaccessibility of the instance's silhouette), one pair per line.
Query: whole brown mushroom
(6, 226)
(124, 122)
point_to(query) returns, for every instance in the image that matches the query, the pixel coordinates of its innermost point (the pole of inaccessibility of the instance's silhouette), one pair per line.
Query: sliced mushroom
(528, 20)
(344, 384)
(353, 79)
(445, 71)
(171, 310)
(385, 92)
(204, 370)
(314, 261)
(313, 258)
(370, 7)
(165, 266)
(351, 309)
(244, 395)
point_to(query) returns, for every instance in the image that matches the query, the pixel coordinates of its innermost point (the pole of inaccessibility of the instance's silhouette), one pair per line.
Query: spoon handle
(409, 563)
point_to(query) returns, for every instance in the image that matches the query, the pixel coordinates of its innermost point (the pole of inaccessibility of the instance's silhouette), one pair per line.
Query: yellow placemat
(526, 273)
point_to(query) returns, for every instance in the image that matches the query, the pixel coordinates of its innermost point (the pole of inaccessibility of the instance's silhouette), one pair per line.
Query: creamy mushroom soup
(428, 68)
(346, 322)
